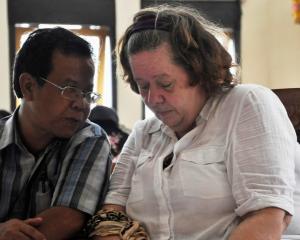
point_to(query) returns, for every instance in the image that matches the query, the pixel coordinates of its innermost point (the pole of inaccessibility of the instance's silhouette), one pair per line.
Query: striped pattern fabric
(77, 169)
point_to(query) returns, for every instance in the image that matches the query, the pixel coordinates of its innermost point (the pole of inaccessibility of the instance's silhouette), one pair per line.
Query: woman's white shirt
(239, 158)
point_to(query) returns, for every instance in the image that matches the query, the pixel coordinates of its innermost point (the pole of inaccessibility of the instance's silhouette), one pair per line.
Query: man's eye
(70, 89)
(143, 88)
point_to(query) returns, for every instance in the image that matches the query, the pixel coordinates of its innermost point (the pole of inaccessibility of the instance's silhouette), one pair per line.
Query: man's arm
(65, 222)
(265, 224)
(61, 222)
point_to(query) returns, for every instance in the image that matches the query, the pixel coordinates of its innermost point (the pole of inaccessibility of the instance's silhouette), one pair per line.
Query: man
(55, 163)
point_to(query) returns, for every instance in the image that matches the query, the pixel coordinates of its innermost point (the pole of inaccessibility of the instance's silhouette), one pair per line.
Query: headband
(150, 22)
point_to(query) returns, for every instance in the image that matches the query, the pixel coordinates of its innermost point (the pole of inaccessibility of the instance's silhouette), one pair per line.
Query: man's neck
(33, 138)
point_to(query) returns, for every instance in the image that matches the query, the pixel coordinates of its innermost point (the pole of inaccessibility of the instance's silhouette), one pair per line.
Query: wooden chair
(290, 97)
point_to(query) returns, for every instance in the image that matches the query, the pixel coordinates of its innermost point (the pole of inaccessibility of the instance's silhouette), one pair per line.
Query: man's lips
(74, 120)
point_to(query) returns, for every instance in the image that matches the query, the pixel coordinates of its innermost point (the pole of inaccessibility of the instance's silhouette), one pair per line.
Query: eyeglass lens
(73, 93)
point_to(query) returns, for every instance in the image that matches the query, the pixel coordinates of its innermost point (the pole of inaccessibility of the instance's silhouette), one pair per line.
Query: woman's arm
(114, 207)
(265, 224)
(119, 189)
(262, 166)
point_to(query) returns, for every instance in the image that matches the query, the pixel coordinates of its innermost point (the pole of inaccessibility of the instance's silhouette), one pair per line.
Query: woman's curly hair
(192, 40)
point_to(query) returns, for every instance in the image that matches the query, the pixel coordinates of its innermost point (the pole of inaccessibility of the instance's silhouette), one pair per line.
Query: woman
(213, 163)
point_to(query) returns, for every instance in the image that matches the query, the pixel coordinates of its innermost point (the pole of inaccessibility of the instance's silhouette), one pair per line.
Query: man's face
(164, 87)
(51, 113)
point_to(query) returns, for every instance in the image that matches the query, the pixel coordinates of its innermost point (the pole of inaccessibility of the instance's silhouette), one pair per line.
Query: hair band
(149, 23)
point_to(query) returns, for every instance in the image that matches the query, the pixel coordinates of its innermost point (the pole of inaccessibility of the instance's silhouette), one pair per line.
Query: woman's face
(164, 87)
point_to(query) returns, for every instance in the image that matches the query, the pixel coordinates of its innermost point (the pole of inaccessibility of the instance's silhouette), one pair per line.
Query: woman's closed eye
(167, 86)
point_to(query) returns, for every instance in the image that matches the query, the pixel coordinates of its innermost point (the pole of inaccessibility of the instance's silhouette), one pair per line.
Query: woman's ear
(27, 86)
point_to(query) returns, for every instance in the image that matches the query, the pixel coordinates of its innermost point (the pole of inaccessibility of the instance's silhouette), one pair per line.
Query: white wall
(270, 44)
(4, 58)
(129, 103)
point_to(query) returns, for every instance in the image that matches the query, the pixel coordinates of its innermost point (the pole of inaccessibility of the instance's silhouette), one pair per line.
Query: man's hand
(16, 229)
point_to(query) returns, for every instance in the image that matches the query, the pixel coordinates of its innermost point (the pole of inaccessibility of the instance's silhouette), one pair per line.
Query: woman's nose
(154, 96)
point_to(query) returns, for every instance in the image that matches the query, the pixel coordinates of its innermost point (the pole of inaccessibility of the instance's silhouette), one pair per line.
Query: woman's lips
(163, 113)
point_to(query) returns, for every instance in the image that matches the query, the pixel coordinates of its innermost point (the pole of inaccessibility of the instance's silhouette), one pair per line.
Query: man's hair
(35, 56)
(193, 44)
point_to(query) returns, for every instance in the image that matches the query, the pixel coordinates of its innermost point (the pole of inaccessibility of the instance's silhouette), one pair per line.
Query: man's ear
(27, 86)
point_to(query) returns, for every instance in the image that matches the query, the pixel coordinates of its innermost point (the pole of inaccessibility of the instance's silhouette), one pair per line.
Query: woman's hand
(107, 238)
(110, 207)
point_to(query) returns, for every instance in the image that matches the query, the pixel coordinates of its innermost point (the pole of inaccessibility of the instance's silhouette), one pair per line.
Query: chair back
(290, 97)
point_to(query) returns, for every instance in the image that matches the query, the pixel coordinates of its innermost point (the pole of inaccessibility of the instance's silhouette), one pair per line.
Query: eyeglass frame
(82, 93)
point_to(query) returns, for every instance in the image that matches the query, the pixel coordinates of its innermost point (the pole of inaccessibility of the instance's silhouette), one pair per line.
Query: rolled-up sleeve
(262, 154)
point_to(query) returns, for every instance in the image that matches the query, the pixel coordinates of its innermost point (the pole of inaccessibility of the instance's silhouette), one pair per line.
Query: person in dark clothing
(108, 119)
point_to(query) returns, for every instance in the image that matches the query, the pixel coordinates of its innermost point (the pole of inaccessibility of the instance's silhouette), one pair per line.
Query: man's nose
(80, 103)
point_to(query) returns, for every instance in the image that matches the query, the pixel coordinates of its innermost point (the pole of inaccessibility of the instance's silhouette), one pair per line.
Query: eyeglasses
(73, 93)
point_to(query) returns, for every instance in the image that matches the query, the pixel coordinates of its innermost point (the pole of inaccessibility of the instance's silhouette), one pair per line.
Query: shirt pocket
(139, 178)
(203, 173)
